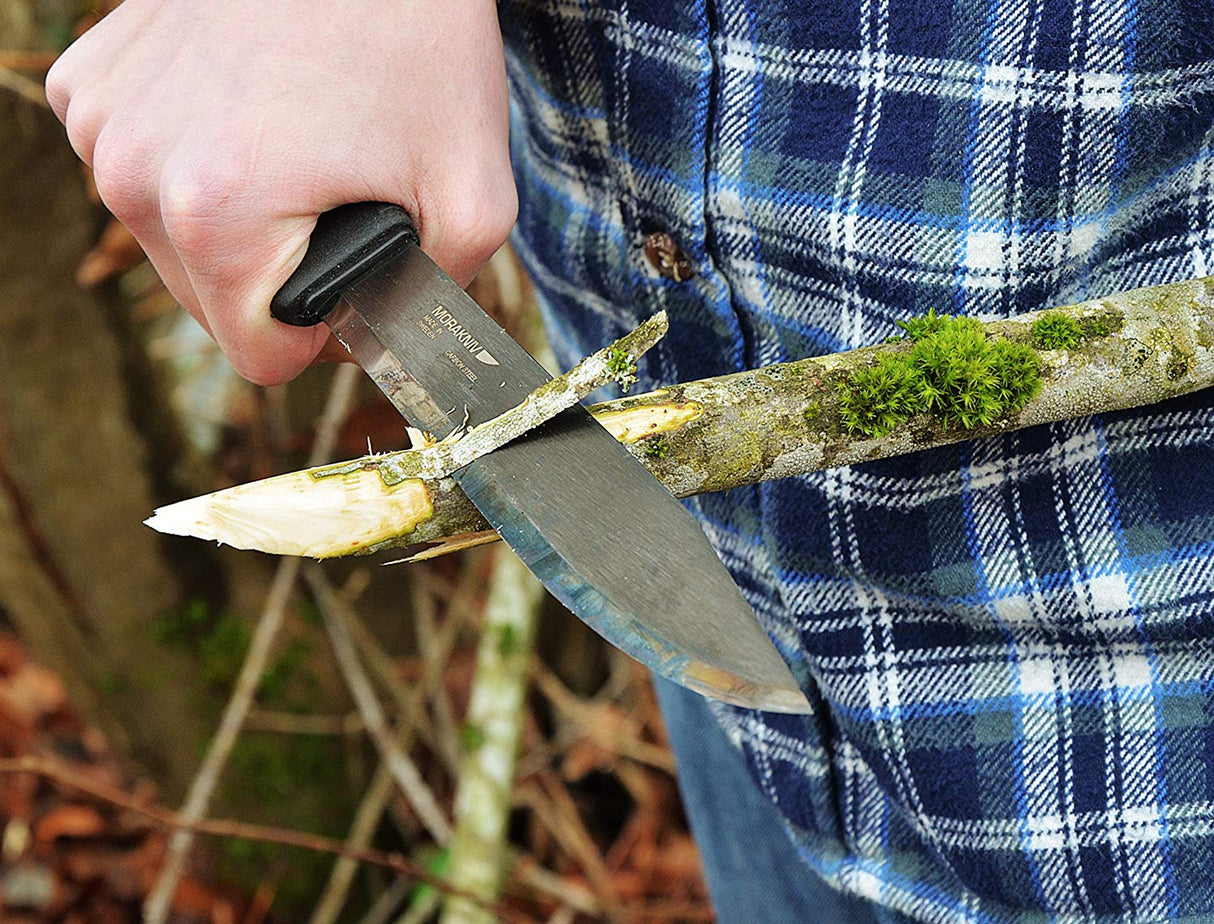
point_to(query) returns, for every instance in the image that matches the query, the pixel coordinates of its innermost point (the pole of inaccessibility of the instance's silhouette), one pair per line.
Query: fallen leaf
(12, 654)
(116, 251)
(69, 820)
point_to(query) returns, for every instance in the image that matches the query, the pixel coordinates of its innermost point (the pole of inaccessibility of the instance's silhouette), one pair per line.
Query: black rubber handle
(349, 241)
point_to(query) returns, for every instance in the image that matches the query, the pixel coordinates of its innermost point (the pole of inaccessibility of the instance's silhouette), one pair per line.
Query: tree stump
(81, 579)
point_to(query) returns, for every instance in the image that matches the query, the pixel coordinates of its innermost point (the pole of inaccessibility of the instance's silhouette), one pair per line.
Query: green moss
(471, 737)
(220, 642)
(1103, 324)
(437, 863)
(287, 671)
(622, 367)
(925, 326)
(812, 410)
(953, 372)
(1056, 331)
(877, 398)
(655, 447)
(183, 625)
(299, 781)
(507, 640)
(222, 651)
(296, 781)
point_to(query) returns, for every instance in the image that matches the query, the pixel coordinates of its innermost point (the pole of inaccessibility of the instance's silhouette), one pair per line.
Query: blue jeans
(753, 871)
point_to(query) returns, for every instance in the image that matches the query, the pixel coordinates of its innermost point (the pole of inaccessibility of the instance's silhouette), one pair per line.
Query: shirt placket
(660, 105)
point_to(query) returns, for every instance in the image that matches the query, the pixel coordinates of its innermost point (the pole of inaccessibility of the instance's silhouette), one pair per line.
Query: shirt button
(667, 257)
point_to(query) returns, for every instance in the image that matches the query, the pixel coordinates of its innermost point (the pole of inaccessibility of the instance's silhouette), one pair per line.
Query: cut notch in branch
(342, 509)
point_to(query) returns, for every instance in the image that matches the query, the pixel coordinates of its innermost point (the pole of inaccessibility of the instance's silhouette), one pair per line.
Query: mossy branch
(1126, 350)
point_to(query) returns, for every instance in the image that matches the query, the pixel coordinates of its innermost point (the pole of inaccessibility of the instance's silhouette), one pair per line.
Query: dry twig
(168, 820)
(554, 807)
(27, 89)
(588, 717)
(366, 819)
(291, 723)
(37, 62)
(404, 771)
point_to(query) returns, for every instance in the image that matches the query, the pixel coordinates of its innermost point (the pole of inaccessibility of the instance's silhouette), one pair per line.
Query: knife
(603, 535)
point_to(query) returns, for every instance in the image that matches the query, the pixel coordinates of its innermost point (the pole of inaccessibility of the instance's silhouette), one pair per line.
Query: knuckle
(58, 88)
(120, 171)
(269, 358)
(83, 121)
(193, 204)
(479, 223)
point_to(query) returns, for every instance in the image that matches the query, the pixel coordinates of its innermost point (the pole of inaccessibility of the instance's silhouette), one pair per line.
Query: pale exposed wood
(333, 510)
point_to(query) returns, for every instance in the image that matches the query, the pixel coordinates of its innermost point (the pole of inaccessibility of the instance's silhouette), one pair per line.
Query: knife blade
(599, 531)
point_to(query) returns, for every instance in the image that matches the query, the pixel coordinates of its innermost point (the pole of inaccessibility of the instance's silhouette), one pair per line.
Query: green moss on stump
(953, 372)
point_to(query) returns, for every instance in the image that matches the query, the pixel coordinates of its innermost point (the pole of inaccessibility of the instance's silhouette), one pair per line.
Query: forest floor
(596, 830)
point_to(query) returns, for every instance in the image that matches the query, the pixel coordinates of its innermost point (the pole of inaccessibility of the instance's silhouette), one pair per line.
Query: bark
(1134, 349)
(79, 579)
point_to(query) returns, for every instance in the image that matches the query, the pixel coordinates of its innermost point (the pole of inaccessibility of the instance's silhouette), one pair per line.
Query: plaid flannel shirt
(1008, 644)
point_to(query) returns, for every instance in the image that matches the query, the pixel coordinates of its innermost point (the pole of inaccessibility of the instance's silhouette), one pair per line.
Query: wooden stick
(36, 61)
(393, 498)
(404, 771)
(1138, 348)
(366, 819)
(30, 90)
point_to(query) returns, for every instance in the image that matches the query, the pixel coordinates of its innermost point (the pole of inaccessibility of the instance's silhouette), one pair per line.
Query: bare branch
(1135, 348)
(404, 771)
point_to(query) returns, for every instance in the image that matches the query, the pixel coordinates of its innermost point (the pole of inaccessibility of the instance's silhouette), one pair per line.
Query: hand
(218, 131)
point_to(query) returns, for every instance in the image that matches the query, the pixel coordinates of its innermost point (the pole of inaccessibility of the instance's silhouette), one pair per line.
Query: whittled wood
(1139, 347)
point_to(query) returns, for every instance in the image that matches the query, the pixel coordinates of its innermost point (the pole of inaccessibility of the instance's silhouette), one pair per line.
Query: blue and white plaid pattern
(1009, 644)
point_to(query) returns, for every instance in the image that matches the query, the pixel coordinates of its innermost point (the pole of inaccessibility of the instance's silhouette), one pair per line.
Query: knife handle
(347, 243)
